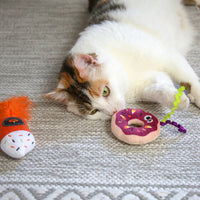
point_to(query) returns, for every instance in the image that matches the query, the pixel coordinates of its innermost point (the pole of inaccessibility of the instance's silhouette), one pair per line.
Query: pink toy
(135, 126)
(138, 127)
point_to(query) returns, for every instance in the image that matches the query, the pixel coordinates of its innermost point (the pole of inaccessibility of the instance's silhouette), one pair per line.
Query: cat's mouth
(115, 109)
(111, 113)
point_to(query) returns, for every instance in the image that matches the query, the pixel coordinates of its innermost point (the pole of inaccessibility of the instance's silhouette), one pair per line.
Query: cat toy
(16, 140)
(139, 127)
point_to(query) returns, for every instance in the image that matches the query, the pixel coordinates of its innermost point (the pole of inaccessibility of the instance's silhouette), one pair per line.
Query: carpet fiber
(77, 159)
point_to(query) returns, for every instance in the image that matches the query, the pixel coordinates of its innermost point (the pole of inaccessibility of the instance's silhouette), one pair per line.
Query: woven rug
(74, 158)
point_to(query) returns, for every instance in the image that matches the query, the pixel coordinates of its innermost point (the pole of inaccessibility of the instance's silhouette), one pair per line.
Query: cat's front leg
(160, 89)
(194, 93)
(182, 73)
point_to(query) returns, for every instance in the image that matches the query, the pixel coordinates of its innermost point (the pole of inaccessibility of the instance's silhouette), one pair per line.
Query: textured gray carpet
(76, 159)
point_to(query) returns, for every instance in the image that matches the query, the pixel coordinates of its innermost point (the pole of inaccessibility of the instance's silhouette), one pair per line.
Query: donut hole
(136, 123)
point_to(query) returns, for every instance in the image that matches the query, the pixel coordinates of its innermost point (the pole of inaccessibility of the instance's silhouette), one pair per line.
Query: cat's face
(87, 89)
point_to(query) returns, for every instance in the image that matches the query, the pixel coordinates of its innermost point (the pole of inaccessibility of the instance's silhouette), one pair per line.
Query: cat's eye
(106, 91)
(94, 111)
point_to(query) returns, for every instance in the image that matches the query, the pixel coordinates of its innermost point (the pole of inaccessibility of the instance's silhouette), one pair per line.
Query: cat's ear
(85, 63)
(57, 95)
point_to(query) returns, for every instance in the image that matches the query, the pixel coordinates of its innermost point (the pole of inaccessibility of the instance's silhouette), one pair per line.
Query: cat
(130, 51)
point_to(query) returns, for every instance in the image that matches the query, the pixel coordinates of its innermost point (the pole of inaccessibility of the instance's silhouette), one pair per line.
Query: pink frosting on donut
(124, 117)
(135, 126)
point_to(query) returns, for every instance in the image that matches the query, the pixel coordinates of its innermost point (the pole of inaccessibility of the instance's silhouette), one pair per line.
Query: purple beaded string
(180, 127)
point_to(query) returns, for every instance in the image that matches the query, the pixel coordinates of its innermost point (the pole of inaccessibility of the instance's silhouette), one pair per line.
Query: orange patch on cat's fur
(94, 55)
(187, 86)
(100, 3)
(80, 79)
(66, 80)
(181, 18)
(189, 2)
(96, 87)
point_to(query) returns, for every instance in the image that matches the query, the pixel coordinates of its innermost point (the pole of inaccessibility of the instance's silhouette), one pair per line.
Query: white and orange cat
(131, 50)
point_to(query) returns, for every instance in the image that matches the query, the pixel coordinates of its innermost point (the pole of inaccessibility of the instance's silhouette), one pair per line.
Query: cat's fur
(136, 49)
(192, 2)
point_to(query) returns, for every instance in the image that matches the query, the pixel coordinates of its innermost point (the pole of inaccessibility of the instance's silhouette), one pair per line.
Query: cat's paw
(194, 94)
(184, 101)
(184, 104)
(191, 97)
(194, 99)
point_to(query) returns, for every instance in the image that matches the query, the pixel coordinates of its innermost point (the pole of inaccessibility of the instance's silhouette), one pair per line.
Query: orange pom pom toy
(16, 140)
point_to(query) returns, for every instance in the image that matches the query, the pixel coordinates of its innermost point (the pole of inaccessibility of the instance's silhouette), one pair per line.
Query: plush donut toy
(139, 127)
(135, 126)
